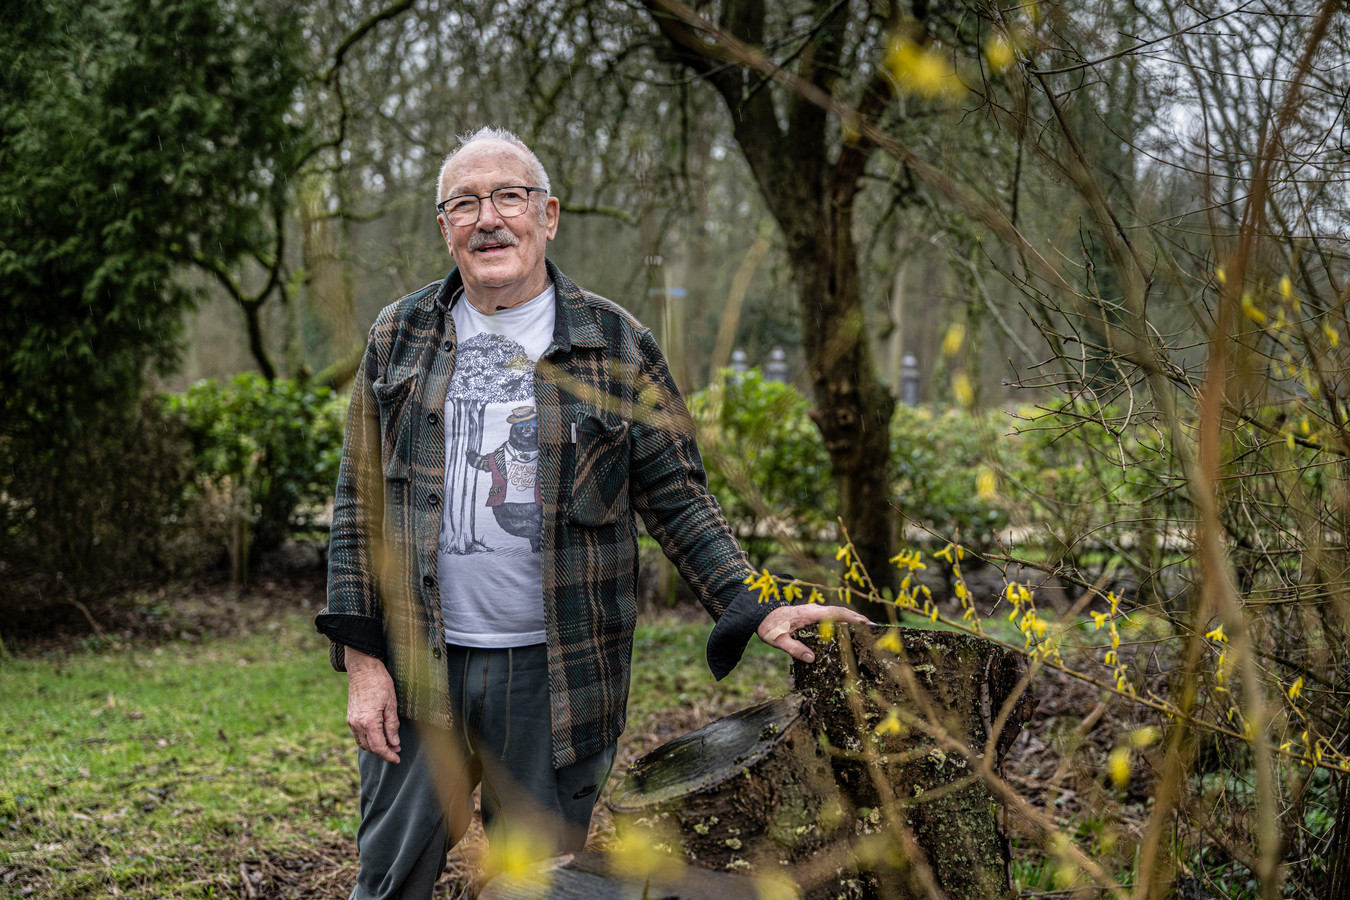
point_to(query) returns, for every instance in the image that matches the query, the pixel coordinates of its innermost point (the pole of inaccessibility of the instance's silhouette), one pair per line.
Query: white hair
(492, 133)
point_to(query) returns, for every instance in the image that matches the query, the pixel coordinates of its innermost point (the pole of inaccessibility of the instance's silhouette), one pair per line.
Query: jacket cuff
(734, 629)
(363, 633)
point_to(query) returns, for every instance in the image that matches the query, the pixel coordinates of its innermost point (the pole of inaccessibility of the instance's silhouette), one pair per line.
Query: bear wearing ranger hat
(515, 498)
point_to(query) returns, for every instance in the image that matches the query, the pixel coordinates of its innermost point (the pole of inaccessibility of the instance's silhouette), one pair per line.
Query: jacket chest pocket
(600, 473)
(398, 424)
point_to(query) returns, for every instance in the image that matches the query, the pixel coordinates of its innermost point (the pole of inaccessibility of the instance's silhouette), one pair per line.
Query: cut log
(593, 876)
(851, 786)
(751, 792)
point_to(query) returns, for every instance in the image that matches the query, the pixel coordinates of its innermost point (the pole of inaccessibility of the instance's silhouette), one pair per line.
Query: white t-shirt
(489, 560)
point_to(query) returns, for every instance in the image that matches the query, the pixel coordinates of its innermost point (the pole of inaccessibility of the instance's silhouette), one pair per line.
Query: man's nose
(488, 217)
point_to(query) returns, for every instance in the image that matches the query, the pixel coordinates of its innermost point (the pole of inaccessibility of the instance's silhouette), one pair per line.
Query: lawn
(222, 767)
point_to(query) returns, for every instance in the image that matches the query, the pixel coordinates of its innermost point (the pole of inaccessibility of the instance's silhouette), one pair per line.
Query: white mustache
(498, 235)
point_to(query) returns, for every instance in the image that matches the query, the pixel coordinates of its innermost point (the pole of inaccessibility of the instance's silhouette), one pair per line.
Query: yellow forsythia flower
(891, 724)
(1217, 635)
(1000, 53)
(826, 630)
(1250, 310)
(986, 484)
(962, 389)
(1118, 766)
(890, 641)
(1296, 688)
(918, 70)
(953, 339)
(1144, 737)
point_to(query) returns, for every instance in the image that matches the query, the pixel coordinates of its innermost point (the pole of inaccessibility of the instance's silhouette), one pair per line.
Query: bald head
(538, 176)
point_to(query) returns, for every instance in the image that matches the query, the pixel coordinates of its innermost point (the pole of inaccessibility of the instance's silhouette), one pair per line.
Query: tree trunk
(808, 179)
(817, 786)
(940, 682)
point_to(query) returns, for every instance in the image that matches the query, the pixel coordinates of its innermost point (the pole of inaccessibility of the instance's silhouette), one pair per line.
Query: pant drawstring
(464, 701)
(510, 670)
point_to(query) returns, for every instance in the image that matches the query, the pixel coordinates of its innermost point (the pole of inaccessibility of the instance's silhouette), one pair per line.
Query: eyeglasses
(509, 201)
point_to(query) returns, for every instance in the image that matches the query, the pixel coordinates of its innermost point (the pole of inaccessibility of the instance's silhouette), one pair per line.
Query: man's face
(501, 260)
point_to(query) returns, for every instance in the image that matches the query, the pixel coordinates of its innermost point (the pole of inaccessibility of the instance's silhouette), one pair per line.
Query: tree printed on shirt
(489, 368)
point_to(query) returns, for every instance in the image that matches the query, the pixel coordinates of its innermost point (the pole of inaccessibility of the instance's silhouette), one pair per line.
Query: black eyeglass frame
(492, 196)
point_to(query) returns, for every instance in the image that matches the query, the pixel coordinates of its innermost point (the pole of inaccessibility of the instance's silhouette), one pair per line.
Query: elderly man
(504, 427)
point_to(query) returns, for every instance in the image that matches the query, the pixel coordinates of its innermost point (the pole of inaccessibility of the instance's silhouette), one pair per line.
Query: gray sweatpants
(414, 811)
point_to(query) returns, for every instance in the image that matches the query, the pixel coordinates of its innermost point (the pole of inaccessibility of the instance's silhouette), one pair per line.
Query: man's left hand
(778, 626)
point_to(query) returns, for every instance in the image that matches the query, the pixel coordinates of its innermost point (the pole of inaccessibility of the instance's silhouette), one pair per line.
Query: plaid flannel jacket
(615, 438)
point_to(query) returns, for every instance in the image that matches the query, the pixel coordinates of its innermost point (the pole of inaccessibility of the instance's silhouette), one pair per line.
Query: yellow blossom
(1250, 310)
(1286, 287)
(642, 855)
(1296, 688)
(962, 592)
(918, 70)
(792, 592)
(1098, 619)
(1220, 275)
(1144, 737)
(1333, 336)
(826, 629)
(962, 389)
(1118, 766)
(985, 484)
(953, 339)
(890, 641)
(1000, 53)
(1217, 635)
(891, 724)
(946, 553)
(816, 596)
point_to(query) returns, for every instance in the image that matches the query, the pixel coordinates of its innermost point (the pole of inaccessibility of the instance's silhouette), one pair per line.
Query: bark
(944, 686)
(813, 786)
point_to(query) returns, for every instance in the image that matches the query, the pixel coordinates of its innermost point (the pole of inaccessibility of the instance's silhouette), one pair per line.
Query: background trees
(137, 141)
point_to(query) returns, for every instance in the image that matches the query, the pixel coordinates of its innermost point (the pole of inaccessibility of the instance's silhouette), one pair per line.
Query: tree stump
(751, 792)
(849, 785)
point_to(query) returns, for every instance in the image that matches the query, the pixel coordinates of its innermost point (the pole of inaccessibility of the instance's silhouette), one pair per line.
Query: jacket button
(431, 417)
(446, 345)
(428, 580)
(436, 652)
(433, 499)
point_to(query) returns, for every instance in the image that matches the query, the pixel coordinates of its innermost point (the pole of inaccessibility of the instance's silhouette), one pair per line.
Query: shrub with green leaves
(265, 450)
(939, 455)
(765, 460)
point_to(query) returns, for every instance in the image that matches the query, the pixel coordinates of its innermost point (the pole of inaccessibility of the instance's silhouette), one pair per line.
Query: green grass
(157, 771)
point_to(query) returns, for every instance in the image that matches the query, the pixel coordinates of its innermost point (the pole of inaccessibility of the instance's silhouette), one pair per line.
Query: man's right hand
(372, 705)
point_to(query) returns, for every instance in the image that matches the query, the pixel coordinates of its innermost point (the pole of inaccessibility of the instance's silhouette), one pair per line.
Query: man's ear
(445, 234)
(551, 211)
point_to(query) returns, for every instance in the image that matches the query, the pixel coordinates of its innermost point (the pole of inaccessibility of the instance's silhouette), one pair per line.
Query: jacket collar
(576, 322)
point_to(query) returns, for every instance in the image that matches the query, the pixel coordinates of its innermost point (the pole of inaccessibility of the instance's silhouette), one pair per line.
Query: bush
(265, 452)
(765, 460)
(88, 508)
(938, 456)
